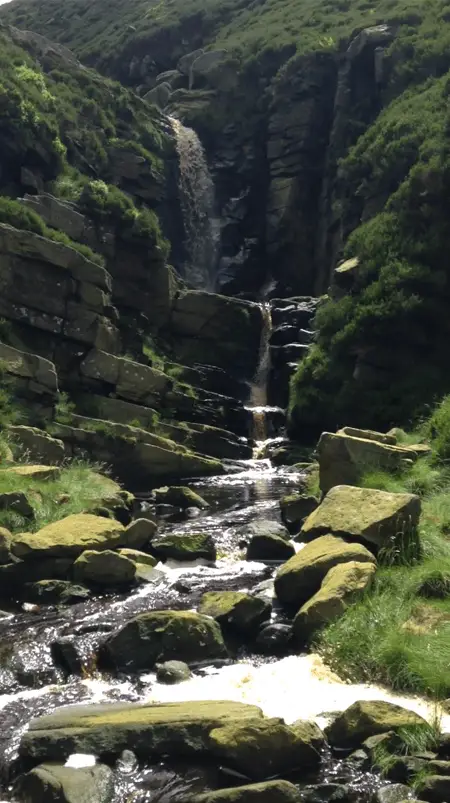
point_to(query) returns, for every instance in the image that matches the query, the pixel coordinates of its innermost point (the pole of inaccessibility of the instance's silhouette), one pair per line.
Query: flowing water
(197, 201)
(257, 403)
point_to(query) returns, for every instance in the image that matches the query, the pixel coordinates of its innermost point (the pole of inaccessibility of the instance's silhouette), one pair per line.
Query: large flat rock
(172, 728)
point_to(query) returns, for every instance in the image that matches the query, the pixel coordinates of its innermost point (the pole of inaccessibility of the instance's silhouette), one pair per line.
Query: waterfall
(258, 392)
(197, 203)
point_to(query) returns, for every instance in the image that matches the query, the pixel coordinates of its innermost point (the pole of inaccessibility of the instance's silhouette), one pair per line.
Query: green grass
(81, 488)
(399, 633)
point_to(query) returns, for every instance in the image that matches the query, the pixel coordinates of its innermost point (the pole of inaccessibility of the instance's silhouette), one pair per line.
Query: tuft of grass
(80, 488)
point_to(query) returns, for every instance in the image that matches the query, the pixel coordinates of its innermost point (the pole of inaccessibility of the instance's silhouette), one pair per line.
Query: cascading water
(197, 202)
(258, 392)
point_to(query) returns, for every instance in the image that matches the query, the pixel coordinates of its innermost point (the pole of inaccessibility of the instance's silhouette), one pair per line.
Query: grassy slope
(67, 120)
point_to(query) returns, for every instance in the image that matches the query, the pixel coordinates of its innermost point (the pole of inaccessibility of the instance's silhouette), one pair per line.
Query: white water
(197, 201)
(297, 687)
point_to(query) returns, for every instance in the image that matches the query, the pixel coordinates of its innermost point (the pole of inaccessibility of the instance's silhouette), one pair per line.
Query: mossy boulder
(377, 518)
(266, 792)
(178, 496)
(368, 718)
(55, 592)
(269, 547)
(295, 508)
(171, 672)
(302, 575)
(54, 783)
(184, 546)
(138, 557)
(158, 636)
(340, 587)
(106, 568)
(263, 747)
(139, 533)
(435, 788)
(174, 729)
(343, 458)
(69, 537)
(236, 610)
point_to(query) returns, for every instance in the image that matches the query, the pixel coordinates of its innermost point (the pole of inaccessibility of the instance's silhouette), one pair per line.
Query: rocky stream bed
(53, 662)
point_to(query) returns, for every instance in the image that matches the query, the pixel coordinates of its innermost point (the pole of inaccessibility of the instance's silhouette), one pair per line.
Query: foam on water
(297, 687)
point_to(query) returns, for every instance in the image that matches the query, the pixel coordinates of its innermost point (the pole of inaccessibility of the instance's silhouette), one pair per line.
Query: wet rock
(264, 747)
(435, 789)
(340, 587)
(38, 445)
(403, 769)
(139, 533)
(327, 793)
(54, 782)
(69, 537)
(179, 729)
(158, 636)
(302, 575)
(274, 639)
(184, 546)
(295, 508)
(32, 665)
(269, 547)
(105, 568)
(18, 502)
(56, 592)
(171, 672)
(267, 792)
(376, 518)
(359, 759)
(394, 793)
(343, 458)
(367, 718)
(178, 496)
(264, 527)
(66, 656)
(235, 610)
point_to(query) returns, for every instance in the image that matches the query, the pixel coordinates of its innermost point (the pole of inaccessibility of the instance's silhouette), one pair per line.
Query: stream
(51, 651)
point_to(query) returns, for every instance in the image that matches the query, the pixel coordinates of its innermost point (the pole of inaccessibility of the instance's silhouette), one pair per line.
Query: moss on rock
(302, 575)
(158, 636)
(235, 610)
(179, 496)
(184, 546)
(368, 718)
(104, 568)
(266, 792)
(68, 537)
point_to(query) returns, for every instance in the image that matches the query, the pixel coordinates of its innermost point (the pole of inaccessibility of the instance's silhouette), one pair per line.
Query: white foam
(78, 761)
(297, 687)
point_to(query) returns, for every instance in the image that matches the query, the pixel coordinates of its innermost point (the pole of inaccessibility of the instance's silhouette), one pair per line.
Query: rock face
(37, 445)
(368, 718)
(150, 638)
(213, 329)
(235, 610)
(377, 518)
(177, 729)
(52, 782)
(295, 508)
(340, 586)
(267, 792)
(302, 575)
(69, 537)
(343, 458)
